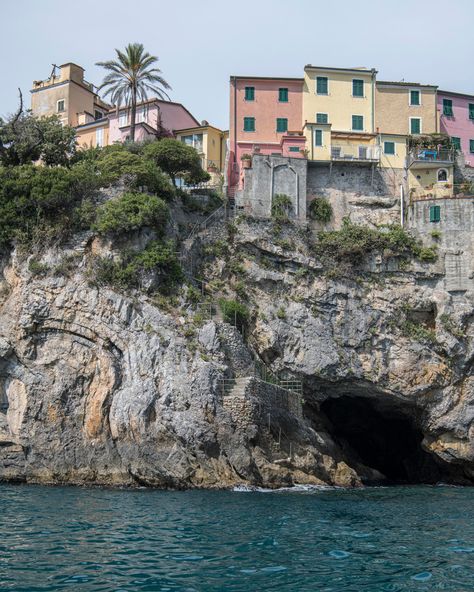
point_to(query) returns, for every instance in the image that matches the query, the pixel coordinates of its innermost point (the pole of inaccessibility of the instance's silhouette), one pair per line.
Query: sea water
(318, 540)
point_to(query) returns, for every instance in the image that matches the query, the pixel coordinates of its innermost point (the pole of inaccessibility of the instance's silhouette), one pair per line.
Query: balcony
(423, 158)
(442, 191)
(355, 153)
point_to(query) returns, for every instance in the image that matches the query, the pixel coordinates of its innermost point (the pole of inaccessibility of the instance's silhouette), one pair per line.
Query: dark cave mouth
(385, 439)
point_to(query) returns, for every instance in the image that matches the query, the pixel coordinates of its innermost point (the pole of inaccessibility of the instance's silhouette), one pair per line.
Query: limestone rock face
(98, 387)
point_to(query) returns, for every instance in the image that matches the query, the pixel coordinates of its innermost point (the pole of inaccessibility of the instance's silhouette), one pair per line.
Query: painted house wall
(172, 116)
(393, 109)
(424, 182)
(397, 160)
(87, 137)
(265, 108)
(339, 104)
(458, 126)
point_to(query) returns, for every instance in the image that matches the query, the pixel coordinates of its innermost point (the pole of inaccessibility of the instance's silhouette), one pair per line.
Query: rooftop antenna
(53, 71)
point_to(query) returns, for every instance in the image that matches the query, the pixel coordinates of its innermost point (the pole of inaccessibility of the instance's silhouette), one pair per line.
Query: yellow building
(430, 173)
(91, 133)
(406, 108)
(210, 142)
(66, 94)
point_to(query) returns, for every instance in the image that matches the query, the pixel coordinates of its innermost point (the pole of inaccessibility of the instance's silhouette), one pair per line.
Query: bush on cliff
(320, 210)
(235, 313)
(177, 160)
(131, 211)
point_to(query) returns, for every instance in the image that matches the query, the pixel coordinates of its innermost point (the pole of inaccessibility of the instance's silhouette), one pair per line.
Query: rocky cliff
(100, 386)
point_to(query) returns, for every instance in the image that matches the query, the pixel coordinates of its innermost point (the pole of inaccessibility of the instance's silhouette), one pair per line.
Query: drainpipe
(235, 126)
(402, 206)
(373, 100)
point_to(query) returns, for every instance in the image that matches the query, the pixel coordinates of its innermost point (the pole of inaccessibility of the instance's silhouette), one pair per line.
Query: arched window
(442, 175)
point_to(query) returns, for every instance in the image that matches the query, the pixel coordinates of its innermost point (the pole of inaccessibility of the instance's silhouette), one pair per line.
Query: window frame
(124, 118)
(322, 122)
(438, 180)
(389, 153)
(249, 88)
(249, 119)
(362, 96)
(470, 110)
(450, 109)
(278, 121)
(283, 88)
(435, 213)
(357, 129)
(421, 126)
(471, 146)
(456, 142)
(294, 149)
(414, 90)
(63, 110)
(323, 94)
(99, 132)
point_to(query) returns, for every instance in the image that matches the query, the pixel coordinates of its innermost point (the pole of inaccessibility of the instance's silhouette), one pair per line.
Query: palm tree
(130, 78)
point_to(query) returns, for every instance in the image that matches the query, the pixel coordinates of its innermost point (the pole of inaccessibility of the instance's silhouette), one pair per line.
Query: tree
(25, 139)
(176, 159)
(130, 78)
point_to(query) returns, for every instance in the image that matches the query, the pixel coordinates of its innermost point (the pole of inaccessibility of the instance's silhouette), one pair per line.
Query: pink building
(266, 116)
(152, 116)
(457, 120)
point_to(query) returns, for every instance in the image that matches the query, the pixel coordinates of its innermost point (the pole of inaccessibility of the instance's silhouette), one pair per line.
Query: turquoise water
(413, 538)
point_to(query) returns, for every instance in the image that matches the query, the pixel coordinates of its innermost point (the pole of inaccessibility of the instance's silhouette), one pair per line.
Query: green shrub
(280, 313)
(427, 254)
(281, 207)
(177, 160)
(131, 211)
(436, 234)
(320, 209)
(235, 313)
(418, 332)
(129, 271)
(37, 268)
(451, 326)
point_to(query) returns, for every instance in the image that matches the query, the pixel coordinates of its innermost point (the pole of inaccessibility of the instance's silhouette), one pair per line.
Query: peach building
(265, 117)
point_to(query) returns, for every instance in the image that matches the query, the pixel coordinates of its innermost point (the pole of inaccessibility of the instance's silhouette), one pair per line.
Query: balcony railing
(351, 152)
(431, 155)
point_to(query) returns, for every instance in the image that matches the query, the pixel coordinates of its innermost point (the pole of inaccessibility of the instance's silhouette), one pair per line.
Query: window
(321, 117)
(282, 125)
(142, 115)
(414, 97)
(442, 175)
(358, 123)
(283, 95)
(447, 107)
(318, 137)
(389, 148)
(99, 137)
(415, 125)
(294, 149)
(471, 146)
(435, 213)
(61, 106)
(471, 110)
(194, 140)
(123, 118)
(357, 88)
(98, 114)
(249, 124)
(456, 143)
(250, 93)
(321, 85)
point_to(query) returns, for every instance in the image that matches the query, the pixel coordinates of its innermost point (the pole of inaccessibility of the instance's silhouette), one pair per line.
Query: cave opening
(384, 438)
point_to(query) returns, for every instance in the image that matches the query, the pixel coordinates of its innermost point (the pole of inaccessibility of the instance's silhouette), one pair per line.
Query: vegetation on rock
(320, 210)
(131, 211)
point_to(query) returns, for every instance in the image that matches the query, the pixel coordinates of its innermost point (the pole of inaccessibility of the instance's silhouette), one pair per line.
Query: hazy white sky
(201, 43)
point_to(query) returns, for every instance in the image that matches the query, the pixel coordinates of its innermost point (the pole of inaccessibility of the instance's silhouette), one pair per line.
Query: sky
(201, 43)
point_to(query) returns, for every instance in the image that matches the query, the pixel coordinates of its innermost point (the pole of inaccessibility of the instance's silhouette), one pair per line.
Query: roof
(402, 83)
(91, 124)
(330, 69)
(155, 100)
(455, 94)
(198, 127)
(266, 78)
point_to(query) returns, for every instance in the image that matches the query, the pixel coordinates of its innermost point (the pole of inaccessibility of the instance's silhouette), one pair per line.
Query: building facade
(210, 143)
(265, 117)
(406, 108)
(457, 121)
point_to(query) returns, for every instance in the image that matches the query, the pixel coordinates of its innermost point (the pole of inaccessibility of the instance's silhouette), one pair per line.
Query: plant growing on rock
(282, 207)
(177, 160)
(320, 210)
(235, 313)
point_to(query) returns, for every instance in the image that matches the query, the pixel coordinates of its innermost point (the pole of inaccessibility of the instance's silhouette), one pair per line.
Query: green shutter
(249, 124)
(318, 137)
(249, 93)
(283, 95)
(282, 125)
(471, 110)
(294, 149)
(358, 123)
(435, 213)
(414, 97)
(321, 85)
(415, 125)
(357, 88)
(389, 148)
(471, 146)
(447, 107)
(456, 143)
(321, 117)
